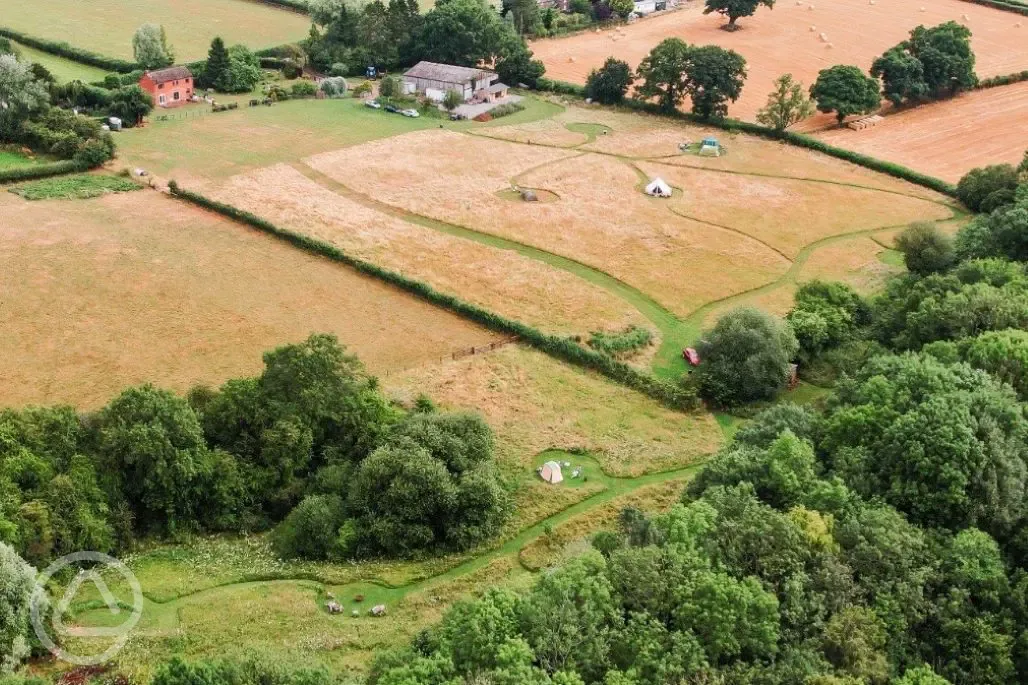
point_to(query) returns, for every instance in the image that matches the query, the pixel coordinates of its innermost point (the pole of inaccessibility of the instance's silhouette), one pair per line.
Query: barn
(168, 87)
(432, 80)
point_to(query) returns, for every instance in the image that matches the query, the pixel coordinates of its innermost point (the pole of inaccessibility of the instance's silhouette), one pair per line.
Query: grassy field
(104, 293)
(10, 160)
(63, 70)
(74, 187)
(106, 26)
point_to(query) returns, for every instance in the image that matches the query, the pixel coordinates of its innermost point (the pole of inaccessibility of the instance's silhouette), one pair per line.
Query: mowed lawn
(106, 26)
(63, 70)
(105, 293)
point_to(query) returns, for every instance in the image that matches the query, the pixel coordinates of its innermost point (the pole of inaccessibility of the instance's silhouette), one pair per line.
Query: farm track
(165, 614)
(676, 332)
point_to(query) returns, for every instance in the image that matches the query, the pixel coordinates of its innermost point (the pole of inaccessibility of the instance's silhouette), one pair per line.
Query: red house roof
(169, 74)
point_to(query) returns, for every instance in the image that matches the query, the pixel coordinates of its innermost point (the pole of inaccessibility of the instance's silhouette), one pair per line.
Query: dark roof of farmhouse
(447, 73)
(169, 74)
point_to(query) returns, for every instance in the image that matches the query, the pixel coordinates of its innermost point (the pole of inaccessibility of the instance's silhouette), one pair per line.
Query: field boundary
(297, 6)
(68, 51)
(28, 173)
(671, 395)
(1004, 5)
(797, 139)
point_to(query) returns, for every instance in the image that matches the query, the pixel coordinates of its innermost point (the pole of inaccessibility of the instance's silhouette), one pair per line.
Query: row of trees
(312, 427)
(345, 40)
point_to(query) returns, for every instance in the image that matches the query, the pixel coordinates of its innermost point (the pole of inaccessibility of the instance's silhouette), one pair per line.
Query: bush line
(1004, 5)
(797, 139)
(1004, 80)
(27, 173)
(291, 5)
(62, 49)
(669, 394)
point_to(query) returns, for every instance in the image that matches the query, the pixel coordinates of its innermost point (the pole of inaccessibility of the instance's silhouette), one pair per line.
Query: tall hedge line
(1004, 80)
(1005, 5)
(26, 173)
(292, 5)
(670, 394)
(798, 139)
(71, 52)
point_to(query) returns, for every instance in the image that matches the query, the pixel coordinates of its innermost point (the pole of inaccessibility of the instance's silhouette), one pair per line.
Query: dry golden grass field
(535, 403)
(787, 39)
(503, 281)
(948, 138)
(101, 294)
(106, 26)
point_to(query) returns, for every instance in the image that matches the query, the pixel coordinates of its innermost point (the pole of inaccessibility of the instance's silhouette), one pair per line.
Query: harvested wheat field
(99, 294)
(947, 139)
(788, 39)
(786, 214)
(601, 218)
(535, 403)
(500, 280)
(858, 262)
(106, 26)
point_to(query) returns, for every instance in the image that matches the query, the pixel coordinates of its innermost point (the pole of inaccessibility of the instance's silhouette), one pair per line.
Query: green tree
(21, 96)
(609, 84)
(925, 248)
(20, 592)
(390, 87)
(921, 675)
(902, 76)
(786, 104)
(854, 642)
(473, 632)
(845, 90)
(516, 66)
(945, 51)
(715, 77)
(524, 15)
(1003, 233)
(745, 357)
(311, 529)
(244, 70)
(734, 9)
(218, 71)
(622, 8)
(1002, 354)
(150, 47)
(978, 185)
(464, 32)
(130, 104)
(663, 73)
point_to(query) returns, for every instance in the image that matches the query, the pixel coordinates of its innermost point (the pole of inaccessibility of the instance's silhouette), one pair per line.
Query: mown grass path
(676, 332)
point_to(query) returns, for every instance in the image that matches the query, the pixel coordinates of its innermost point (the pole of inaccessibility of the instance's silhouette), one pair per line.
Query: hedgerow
(71, 52)
(27, 173)
(673, 395)
(1004, 5)
(293, 5)
(1003, 80)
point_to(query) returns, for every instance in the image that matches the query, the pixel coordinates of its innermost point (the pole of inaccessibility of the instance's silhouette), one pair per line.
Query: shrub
(621, 344)
(745, 357)
(290, 69)
(339, 69)
(506, 110)
(310, 530)
(333, 86)
(925, 248)
(18, 581)
(303, 89)
(390, 87)
(78, 187)
(978, 184)
(610, 83)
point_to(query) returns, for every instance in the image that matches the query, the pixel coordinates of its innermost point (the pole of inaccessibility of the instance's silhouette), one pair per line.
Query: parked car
(412, 113)
(457, 117)
(392, 108)
(373, 104)
(691, 355)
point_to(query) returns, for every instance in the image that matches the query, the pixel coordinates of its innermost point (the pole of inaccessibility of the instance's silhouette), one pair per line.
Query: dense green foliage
(745, 357)
(621, 343)
(62, 49)
(925, 249)
(845, 90)
(987, 188)
(786, 104)
(18, 592)
(711, 76)
(609, 83)
(240, 458)
(150, 47)
(934, 62)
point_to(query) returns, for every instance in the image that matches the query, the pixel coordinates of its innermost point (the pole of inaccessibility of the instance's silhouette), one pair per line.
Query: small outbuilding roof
(498, 87)
(447, 73)
(169, 74)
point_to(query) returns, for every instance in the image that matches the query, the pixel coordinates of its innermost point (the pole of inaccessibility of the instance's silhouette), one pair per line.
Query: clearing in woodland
(107, 26)
(787, 39)
(105, 293)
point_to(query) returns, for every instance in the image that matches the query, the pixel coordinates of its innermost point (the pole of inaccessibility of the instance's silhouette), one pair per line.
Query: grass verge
(77, 187)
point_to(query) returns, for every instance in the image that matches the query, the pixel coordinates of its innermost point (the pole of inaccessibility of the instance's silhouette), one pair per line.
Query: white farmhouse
(474, 85)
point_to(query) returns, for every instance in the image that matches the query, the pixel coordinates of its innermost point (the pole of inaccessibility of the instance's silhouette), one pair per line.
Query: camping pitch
(550, 472)
(658, 188)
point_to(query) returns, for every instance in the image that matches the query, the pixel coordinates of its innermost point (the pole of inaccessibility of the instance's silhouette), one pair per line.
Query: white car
(412, 113)
(372, 104)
